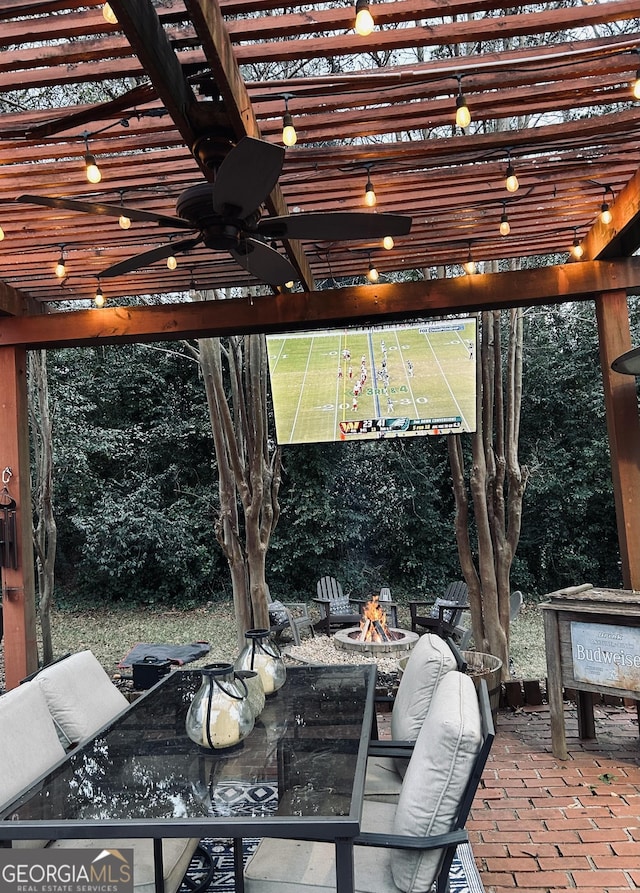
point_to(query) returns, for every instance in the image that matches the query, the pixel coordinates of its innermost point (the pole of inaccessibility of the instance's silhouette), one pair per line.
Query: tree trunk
(495, 487)
(44, 526)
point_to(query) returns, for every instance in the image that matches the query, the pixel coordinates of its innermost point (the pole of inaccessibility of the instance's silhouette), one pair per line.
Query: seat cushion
(382, 781)
(29, 743)
(429, 661)
(176, 853)
(80, 696)
(437, 775)
(292, 866)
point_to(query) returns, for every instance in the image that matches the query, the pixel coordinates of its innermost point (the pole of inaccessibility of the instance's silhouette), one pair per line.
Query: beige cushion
(430, 659)
(382, 782)
(29, 744)
(437, 775)
(176, 853)
(80, 695)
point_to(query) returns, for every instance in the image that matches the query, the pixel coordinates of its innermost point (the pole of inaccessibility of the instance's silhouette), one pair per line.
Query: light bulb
(511, 181)
(92, 169)
(605, 214)
(109, 15)
(99, 299)
(576, 249)
(364, 20)
(505, 226)
(463, 115)
(469, 266)
(635, 86)
(369, 195)
(124, 221)
(289, 284)
(1, 234)
(60, 269)
(372, 274)
(289, 135)
(172, 263)
(388, 243)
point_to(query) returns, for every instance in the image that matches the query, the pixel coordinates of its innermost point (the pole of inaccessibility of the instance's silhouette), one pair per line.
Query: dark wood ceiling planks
(548, 86)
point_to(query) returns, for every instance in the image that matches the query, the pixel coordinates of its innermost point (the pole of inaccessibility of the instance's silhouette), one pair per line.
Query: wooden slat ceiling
(548, 86)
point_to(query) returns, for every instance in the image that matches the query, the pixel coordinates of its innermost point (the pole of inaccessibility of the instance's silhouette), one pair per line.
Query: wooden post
(623, 425)
(18, 586)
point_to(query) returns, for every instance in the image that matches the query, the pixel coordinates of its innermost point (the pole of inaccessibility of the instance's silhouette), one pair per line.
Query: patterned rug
(260, 800)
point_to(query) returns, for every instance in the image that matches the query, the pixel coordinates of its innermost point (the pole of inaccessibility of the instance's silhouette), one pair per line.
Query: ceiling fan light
(388, 243)
(463, 115)
(109, 15)
(289, 135)
(505, 226)
(605, 214)
(92, 169)
(124, 221)
(511, 181)
(172, 263)
(99, 299)
(364, 20)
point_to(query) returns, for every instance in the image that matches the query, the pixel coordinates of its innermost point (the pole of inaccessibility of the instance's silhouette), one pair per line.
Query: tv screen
(374, 382)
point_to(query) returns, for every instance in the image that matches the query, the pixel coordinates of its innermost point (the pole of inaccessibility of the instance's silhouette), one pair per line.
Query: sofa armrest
(403, 842)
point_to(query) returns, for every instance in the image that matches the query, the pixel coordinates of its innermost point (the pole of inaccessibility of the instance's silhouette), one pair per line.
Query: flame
(373, 616)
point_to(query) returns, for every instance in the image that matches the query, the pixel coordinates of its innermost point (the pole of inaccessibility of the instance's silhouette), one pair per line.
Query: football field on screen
(424, 372)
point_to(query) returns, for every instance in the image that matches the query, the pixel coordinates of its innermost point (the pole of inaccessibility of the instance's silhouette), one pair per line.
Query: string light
(370, 199)
(99, 299)
(123, 220)
(172, 263)
(91, 165)
(605, 213)
(576, 249)
(635, 84)
(60, 268)
(510, 179)
(388, 243)
(505, 226)
(469, 265)
(1, 234)
(463, 115)
(289, 135)
(364, 20)
(372, 273)
(109, 15)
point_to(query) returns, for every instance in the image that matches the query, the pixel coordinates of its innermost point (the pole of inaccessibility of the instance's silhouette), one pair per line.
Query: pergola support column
(18, 585)
(623, 425)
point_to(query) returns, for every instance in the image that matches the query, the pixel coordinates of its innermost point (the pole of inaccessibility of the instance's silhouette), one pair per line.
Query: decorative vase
(255, 691)
(220, 714)
(263, 655)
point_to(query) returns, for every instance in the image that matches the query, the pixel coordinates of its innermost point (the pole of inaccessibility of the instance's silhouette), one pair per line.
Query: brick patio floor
(539, 824)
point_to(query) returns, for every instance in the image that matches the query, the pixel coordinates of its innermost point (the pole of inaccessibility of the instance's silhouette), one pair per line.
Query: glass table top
(308, 745)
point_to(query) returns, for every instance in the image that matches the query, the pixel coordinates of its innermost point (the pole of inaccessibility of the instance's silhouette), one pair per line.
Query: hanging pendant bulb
(511, 181)
(109, 15)
(124, 221)
(469, 265)
(91, 168)
(505, 226)
(372, 273)
(60, 268)
(576, 249)
(99, 299)
(1, 234)
(388, 242)
(635, 86)
(370, 199)
(605, 212)
(463, 115)
(364, 20)
(172, 263)
(289, 135)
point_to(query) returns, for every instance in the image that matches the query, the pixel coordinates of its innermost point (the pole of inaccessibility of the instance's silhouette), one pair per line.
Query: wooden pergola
(549, 90)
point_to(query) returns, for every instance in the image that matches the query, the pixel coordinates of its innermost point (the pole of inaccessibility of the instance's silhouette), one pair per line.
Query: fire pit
(373, 636)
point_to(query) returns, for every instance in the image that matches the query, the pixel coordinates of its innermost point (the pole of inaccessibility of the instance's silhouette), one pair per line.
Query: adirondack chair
(444, 614)
(336, 612)
(292, 616)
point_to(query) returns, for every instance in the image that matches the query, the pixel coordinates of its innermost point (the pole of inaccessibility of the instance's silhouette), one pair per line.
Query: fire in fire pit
(374, 635)
(373, 626)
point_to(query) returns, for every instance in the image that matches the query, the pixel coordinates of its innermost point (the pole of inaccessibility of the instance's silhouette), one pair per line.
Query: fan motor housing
(196, 205)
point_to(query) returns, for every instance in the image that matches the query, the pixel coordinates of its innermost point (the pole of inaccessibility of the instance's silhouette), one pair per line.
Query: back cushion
(29, 744)
(80, 695)
(438, 773)
(430, 660)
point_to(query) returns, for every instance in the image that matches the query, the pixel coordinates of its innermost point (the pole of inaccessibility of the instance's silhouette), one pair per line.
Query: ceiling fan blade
(335, 226)
(246, 177)
(264, 262)
(149, 257)
(68, 204)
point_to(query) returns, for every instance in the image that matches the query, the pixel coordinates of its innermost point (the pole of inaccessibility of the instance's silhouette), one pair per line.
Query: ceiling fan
(226, 216)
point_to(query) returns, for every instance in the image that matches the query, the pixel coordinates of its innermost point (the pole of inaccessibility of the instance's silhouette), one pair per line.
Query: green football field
(362, 383)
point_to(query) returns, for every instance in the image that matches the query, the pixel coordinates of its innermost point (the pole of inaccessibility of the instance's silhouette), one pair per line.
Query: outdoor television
(374, 382)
